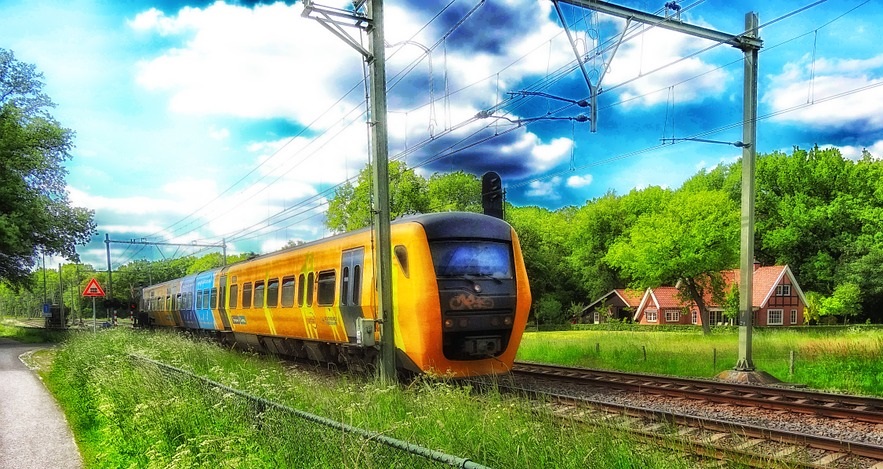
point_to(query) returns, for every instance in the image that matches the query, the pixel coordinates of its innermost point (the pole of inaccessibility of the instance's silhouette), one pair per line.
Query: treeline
(123, 286)
(816, 211)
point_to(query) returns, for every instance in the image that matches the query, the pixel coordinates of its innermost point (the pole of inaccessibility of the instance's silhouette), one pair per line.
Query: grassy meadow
(127, 413)
(846, 360)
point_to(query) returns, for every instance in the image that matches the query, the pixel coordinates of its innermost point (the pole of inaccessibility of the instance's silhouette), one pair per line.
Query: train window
(199, 299)
(301, 284)
(234, 295)
(478, 258)
(214, 298)
(272, 292)
(325, 290)
(205, 298)
(168, 303)
(357, 285)
(259, 294)
(402, 256)
(310, 278)
(288, 292)
(246, 295)
(344, 285)
(223, 296)
(175, 300)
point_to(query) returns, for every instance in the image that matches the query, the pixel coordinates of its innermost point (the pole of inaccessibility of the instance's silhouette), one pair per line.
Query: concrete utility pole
(749, 155)
(334, 20)
(749, 43)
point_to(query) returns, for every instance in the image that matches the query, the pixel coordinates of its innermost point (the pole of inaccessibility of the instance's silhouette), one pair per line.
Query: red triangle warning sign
(93, 289)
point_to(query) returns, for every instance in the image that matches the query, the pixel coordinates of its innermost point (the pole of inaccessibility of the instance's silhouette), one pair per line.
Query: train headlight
(449, 323)
(477, 288)
(507, 320)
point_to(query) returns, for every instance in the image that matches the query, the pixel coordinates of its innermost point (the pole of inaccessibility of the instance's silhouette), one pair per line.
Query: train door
(351, 265)
(222, 302)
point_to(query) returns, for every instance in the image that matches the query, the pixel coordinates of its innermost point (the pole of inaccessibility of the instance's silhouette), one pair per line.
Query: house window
(672, 315)
(651, 315)
(694, 317)
(774, 317)
(793, 316)
(783, 290)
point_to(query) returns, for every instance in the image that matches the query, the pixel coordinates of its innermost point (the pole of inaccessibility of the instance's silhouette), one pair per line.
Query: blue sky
(202, 121)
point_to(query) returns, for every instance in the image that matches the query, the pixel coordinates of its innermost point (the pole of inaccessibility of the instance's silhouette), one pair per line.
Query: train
(460, 292)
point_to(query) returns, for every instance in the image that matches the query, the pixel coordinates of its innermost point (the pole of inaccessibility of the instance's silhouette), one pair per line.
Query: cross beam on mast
(374, 55)
(749, 43)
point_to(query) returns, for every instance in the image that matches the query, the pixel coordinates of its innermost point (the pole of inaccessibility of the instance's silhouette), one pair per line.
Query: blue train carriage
(186, 302)
(206, 299)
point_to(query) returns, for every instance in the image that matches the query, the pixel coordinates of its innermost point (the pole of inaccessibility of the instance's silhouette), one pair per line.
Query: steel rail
(860, 408)
(749, 431)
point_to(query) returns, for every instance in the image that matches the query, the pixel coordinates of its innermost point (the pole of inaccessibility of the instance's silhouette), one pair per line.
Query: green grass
(846, 360)
(125, 413)
(30, 335)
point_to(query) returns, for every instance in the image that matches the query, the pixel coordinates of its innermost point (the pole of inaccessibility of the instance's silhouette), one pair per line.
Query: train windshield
(472, 258)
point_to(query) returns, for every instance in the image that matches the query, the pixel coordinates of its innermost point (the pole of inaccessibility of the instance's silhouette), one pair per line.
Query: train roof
(437, 225)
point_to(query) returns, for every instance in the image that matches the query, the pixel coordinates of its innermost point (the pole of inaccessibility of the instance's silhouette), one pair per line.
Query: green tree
(543, 235)
(843, 302)
(548, 310)
(35, 213)
(689, 242)
(457, 191)
(350, 207)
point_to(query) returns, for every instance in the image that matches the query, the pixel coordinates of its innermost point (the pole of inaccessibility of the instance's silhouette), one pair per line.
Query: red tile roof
(763, 287)
(667, 298)
(630, 297)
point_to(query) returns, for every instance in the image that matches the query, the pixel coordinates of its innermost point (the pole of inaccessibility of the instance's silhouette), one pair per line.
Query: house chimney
(756, 265)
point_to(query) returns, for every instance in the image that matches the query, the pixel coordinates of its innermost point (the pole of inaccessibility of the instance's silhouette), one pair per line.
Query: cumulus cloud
(577, 182)
(244, 62)
(828, 93)
(855, 153)
(545, 189)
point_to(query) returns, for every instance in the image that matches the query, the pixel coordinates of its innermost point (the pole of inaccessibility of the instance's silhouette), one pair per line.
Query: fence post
(644, 349)
(714, 360)
(598, 348)
(791, 365)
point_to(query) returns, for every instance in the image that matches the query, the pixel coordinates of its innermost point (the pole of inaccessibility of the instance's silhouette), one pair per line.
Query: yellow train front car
(460, 297)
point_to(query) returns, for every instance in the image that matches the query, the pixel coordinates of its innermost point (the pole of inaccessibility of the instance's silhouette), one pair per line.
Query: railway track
(841, 406)
(756, 445)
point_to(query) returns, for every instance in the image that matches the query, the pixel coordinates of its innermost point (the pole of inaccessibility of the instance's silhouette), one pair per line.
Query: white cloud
(664, 53)
(855, 153)
(247, 62)
(828, 93)
(218, 133)
(579, 181)
(546, 189)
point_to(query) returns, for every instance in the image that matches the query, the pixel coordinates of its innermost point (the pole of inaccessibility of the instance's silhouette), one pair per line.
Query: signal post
(93, 290)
